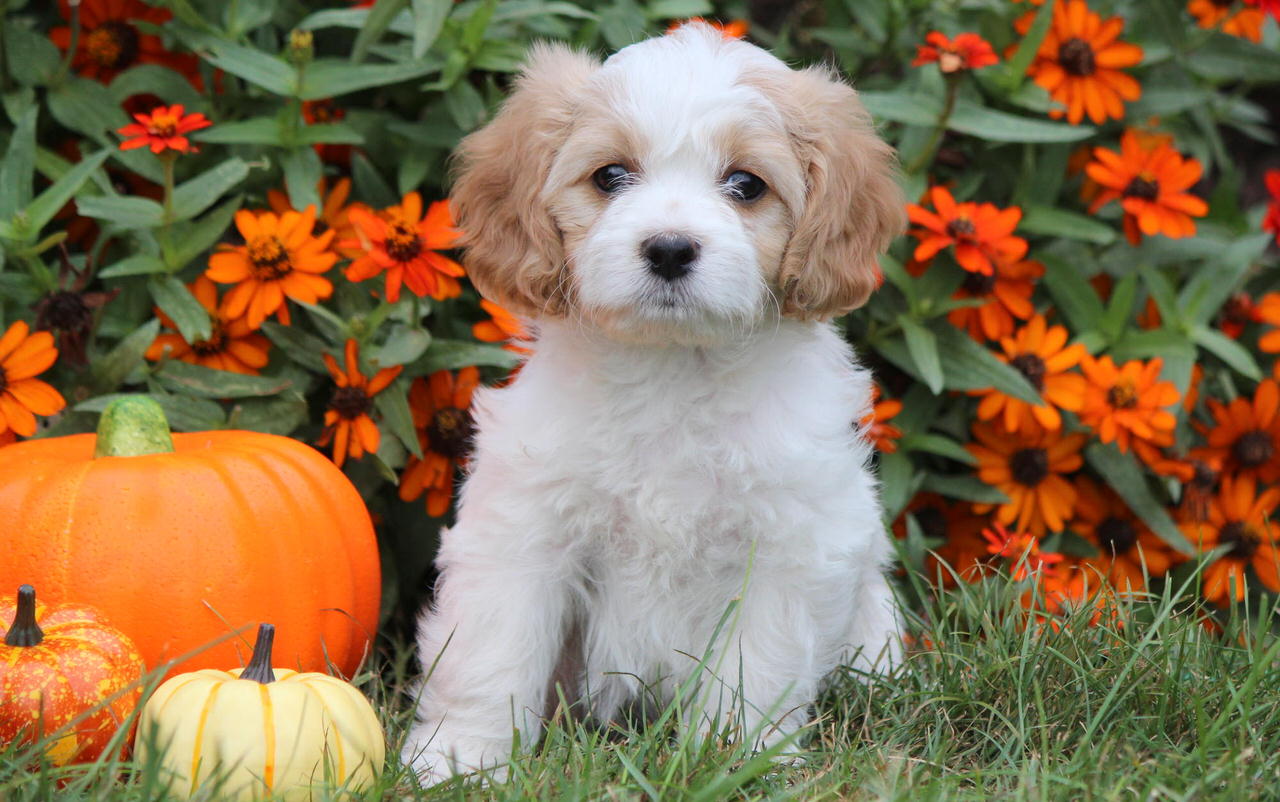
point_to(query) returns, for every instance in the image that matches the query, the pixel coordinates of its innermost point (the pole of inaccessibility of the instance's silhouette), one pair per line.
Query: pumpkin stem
(25, 631)
(131, 427)
(259, 668)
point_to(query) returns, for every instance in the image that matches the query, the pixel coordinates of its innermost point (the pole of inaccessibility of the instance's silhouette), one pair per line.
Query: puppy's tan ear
(513, 250)
(853, 206)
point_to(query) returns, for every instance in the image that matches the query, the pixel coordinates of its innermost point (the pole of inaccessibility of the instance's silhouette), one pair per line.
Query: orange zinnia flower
(1239, 517)
(958, 548)
(1245, 436)
(1079, 63)
(875, 424)
(334, 213)
(968, 51)
(1243, 22)
(981, 232)
(165, 128)
(279, 259)
(111, 42)
(1128, 551)
(1028, 469)
(1267, 311)
(1127, 404)
(232, 346)
(502, 326)
(1041, 354)
(404, 243)
(1150, 183)
(1022, 550)
(441, 407)
(1007, 293)
(23, 356)
(736, 29)
(346, 422)
(1272, 221)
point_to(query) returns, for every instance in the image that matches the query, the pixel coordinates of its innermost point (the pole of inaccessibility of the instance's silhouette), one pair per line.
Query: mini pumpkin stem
(259, 668)
(132, 426)
(25, 631)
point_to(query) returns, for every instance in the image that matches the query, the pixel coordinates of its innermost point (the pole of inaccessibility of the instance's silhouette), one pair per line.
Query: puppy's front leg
(493, 635)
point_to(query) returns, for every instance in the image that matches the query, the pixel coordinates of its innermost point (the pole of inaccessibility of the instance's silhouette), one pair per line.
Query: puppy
(678, 222)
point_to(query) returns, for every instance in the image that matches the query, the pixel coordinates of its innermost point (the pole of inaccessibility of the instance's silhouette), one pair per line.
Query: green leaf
(1164, 343)
(88, 108)
(302, 173)
(332, 77)
(140, 264)
(998, 126)
(19, 169)
(123, 210)
(1228, 350)
(110, 371)
(428, 20)
(298, 345)
(965, 488)
(454, 354)
(160, 81)
(254, 131)
(897, 484)
(968, 366)
(194, 238)
(903, 107)
(176, 301)
(261, 69)
(403, 346)
(1229, 57)
(184, 413)
(1122, 474)
(375, 25)
(1053, 222)
(41, 210)
(465, 106)
(370, 187)
(29, 56)
(923, 347)
(1015, 69)
(1161, 292)
(281, 414)
(393, 407)
(192, 197)
(1075, 296)
(330, 134)
(1120, 306)
(938, 444)
(205, 382)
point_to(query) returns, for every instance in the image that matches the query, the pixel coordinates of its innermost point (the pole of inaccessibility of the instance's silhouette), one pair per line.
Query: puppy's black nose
(670, 255)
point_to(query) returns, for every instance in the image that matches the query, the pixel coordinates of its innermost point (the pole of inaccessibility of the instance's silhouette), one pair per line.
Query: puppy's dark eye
(611, 178)
(744, 186)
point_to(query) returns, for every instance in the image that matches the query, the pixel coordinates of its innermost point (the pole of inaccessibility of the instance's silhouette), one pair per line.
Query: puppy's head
(687, 188)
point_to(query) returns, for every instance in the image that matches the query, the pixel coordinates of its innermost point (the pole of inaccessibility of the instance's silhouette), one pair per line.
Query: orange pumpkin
(189, 539)
(67, 673)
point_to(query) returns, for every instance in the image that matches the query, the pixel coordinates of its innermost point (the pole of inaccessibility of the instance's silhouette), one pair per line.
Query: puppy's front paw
(436, 756)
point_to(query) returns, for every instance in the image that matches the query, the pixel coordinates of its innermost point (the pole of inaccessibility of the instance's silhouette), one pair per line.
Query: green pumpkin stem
(259, 668)
(132, 426)
(25, 631)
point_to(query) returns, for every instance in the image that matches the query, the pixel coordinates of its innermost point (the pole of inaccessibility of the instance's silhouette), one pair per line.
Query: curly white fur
(669, 447)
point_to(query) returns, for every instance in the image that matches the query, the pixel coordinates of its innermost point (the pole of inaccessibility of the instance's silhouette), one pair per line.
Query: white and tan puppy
(678, 223)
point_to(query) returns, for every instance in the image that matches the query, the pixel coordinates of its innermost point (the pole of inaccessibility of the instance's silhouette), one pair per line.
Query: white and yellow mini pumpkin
(256, 732)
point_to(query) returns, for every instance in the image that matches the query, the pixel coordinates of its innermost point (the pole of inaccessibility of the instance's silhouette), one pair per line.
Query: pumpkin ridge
(199, 739)
(269, 737)
(64, 535)
(327, 715)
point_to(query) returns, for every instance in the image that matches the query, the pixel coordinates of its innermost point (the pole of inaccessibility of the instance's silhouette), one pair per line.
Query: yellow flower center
(112, 44)
(269, 258)
(163, 124)
(403, 242)
(1123, 395)
(1076, 57)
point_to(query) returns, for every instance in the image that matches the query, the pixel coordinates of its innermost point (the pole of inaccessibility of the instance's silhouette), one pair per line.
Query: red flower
(736, 29)
(968, 51)
(110, 42)
(1150, 179)
(1272, 221)
(981, 233)
(165, 128)
(404, 244)
(1022, 550)
(1271, 7)
(875, 424)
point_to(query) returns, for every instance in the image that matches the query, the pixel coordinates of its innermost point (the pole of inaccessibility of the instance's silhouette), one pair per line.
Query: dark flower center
(4, 379)
(350, 402)
(960, 228)
(932, 521)
(1252, 449)
(113, 44)
(450, 431)
(403, 242)
(1029, 466)
(1240, 538)
(1144, 188)
(216, 344)
(1032, 368)
(1238, 309)
(269, 258)
(1203, 478)
(65, 310)
(1123, 395)
(979, 283)
(1116, 535)
(1076, 57)
(1223, 3)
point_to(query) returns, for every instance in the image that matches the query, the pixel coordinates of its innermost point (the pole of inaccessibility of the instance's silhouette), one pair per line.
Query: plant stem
(259, 668)
(926, 156)
(65, 67)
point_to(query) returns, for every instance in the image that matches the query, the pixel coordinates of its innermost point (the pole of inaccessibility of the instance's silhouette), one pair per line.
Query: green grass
(1158, 708)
